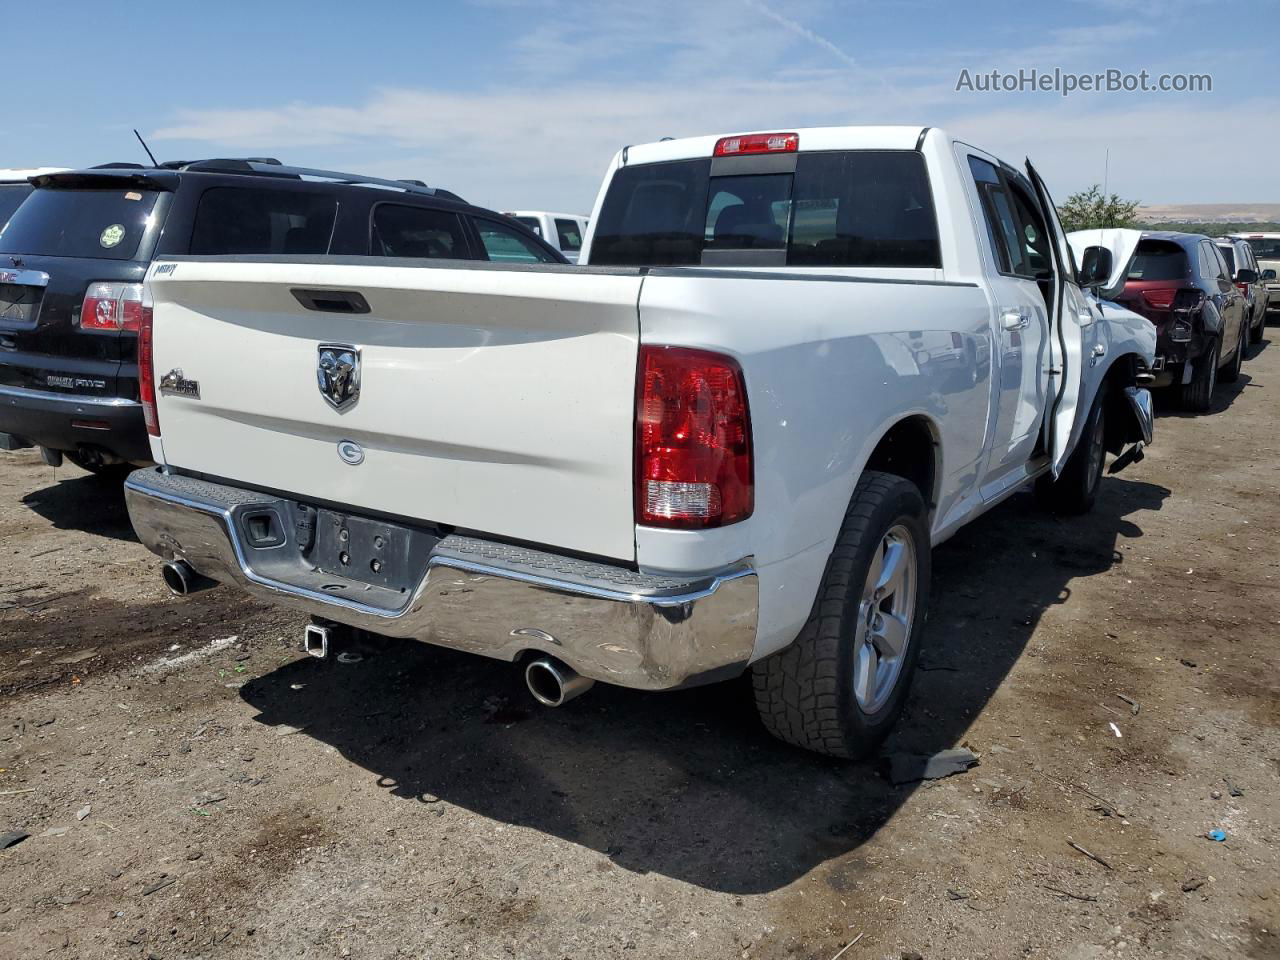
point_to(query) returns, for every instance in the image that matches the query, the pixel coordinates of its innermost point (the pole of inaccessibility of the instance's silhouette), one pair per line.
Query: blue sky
(521, 103)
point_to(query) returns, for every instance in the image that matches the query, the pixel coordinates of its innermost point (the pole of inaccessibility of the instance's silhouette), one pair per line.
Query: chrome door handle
(1015, 318)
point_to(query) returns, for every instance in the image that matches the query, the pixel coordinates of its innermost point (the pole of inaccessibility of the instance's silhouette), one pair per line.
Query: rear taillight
(111, 306)
(757, 143)
(693, 440)
(146, 366)
(1161, 298)
(1243, 288)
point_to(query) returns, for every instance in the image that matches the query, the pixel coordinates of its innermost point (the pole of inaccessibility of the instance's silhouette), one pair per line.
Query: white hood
(1123, 244)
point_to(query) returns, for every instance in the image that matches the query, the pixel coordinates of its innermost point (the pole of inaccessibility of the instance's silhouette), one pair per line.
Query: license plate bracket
(370, 551)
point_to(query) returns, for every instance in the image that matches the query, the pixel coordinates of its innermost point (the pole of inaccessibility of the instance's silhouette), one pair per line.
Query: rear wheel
(1197, 396)
(839, 688)
(1076, 488)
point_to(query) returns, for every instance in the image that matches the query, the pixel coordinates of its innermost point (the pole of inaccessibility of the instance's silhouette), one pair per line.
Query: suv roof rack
(268, 166)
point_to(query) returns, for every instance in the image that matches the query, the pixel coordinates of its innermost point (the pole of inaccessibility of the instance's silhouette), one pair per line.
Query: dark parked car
(74, 254)
(1180, 282)
(1248, 277)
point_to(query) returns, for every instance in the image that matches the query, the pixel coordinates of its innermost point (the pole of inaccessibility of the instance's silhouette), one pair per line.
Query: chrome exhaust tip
(182, 580)
(553, 684)
(315, 639)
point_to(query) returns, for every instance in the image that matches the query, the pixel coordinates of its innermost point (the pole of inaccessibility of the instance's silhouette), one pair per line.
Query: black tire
(110, 472)
(1197, 396)
(1231, 373)
(805, 694)
(1076, 488)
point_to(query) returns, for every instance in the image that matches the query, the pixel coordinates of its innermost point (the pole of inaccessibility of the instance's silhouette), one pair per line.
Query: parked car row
(1209, 300)
(786, 366)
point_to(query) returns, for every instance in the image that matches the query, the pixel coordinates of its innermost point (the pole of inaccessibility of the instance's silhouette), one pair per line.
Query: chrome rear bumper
(608, 623)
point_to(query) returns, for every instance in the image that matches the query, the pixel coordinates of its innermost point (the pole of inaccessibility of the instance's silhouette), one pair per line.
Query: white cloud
(543, 138)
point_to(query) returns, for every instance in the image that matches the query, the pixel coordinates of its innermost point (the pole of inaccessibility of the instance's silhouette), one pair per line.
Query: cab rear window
(250, 220)
(105, 224)
(858, 208)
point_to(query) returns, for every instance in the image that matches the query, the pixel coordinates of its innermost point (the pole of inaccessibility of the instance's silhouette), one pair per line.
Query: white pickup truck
(792, 363)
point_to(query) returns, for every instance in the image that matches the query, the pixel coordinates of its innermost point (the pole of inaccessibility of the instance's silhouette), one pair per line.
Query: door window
(1003, 228)
(569, 234)
(504, 245)
(403, 231)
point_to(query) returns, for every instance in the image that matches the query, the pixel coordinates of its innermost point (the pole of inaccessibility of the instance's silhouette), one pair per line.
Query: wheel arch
(909, 447)
(1121, 426)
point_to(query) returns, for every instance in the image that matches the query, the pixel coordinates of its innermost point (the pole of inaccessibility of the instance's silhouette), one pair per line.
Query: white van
(564, 231)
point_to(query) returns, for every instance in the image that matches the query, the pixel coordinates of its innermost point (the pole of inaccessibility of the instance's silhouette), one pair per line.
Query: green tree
(1090, 209)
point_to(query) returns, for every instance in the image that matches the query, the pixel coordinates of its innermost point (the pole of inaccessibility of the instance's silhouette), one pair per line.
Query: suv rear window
(863, 208)
(1158, 260)
(248, 220)
(11, 196)
(97, 224)
(1228, 255)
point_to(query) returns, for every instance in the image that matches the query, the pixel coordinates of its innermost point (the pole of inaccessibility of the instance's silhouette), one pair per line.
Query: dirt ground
(194, 787)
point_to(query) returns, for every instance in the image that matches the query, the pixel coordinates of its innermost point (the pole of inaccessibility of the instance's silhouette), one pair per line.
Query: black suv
(73, 256)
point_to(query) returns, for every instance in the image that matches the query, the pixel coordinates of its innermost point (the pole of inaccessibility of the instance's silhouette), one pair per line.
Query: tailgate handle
(332, 301)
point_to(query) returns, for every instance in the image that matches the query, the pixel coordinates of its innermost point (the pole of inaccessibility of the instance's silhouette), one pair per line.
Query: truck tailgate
(493, 399)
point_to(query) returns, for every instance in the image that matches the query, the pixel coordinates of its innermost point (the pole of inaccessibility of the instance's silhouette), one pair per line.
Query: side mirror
(1268, 274)
(1095, 270)
(1247, 276)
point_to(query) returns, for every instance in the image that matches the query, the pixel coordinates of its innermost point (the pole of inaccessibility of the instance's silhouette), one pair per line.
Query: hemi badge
(174, 384)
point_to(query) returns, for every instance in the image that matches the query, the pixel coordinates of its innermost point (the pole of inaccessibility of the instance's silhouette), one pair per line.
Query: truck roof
(810, 138)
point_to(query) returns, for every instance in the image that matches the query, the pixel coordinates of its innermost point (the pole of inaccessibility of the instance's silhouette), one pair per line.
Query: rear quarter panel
(831, 363)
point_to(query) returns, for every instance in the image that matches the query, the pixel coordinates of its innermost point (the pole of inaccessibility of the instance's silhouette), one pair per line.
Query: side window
(404, 231)
(249, 220)
(569, 234)
(1224, 272)
(985, 178)
(534, 225)
(503, 245)
(1035, 236)
(1211, 266)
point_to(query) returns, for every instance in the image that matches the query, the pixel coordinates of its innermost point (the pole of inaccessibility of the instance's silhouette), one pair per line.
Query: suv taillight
(693, 440)
(146, 366)
(111, 306)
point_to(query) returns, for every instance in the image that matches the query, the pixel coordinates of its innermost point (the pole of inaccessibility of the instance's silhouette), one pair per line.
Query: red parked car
(1180, 282)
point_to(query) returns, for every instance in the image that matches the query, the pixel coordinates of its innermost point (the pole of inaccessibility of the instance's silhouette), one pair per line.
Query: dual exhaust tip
(182, 579)
(550, 682)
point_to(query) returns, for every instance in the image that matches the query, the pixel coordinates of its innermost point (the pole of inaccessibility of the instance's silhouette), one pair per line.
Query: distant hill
(1237, 213)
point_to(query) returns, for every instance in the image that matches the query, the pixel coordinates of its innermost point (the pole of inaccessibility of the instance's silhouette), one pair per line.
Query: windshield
(1265, 248)
(861, 208)
(98, 224)
(11, 196)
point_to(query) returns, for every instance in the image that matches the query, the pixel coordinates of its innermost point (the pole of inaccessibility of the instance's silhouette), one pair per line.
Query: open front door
(1066, 336)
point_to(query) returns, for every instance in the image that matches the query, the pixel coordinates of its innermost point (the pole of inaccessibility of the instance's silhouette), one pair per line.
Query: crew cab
(73, 256)
(790, 365)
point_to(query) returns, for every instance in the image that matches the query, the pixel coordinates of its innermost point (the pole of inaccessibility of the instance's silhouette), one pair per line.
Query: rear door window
(402, 231)
(502, 244)
(569, 234)
(91, 223)
(838, 209)
(252, 220)
(11, 196)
